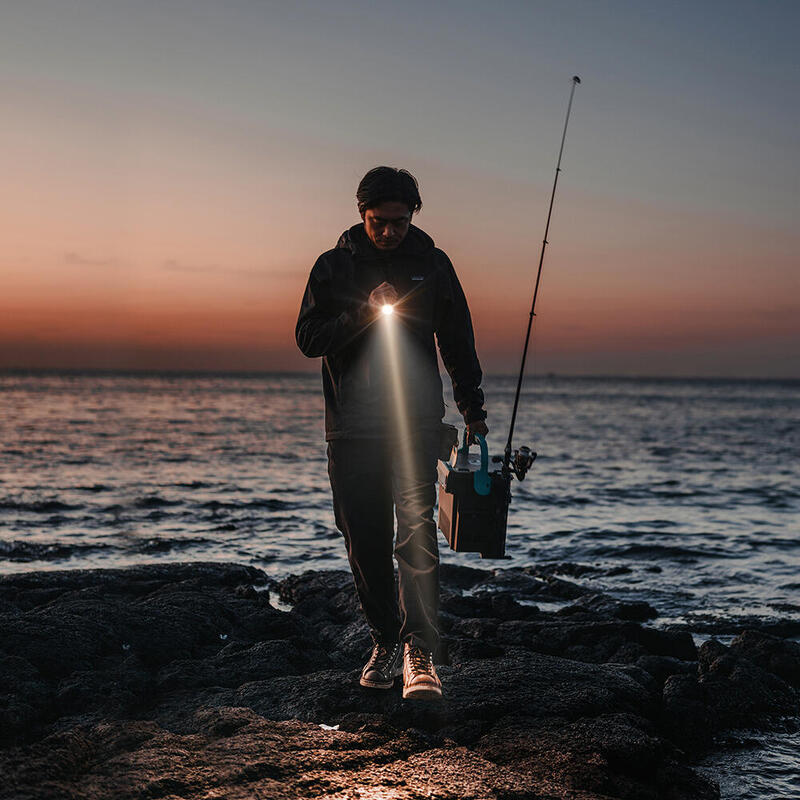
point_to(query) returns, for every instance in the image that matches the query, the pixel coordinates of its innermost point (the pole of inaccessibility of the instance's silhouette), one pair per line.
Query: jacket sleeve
(457, 343)
(322, 327)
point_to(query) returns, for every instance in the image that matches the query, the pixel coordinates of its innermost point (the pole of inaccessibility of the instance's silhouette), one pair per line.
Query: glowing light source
(400, 358)
(392, 337)
(387, 309)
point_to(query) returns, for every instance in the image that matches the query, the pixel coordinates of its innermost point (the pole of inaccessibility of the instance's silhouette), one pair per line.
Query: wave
(267, 503)
(38, 506)
(655, 551)
(158, 544)
(19, 550)
(154, 501)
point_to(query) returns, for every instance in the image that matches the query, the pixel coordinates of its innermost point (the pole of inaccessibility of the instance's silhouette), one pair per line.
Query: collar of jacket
(355, 239)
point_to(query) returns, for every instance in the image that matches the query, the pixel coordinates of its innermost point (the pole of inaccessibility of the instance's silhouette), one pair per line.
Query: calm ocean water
(683, 493)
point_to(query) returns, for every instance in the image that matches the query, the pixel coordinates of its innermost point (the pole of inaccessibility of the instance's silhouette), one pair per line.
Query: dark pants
(368, 477)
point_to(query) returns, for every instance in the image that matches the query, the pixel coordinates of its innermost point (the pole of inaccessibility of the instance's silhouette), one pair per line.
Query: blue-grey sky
(176, 167)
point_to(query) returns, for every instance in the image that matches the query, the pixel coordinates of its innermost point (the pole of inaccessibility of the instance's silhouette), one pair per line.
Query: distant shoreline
(259, 374)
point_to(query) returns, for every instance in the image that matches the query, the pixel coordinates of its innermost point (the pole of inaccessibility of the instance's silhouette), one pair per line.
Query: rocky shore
(209, 680)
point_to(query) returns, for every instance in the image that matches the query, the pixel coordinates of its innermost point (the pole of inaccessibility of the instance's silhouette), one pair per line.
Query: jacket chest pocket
(418, 300)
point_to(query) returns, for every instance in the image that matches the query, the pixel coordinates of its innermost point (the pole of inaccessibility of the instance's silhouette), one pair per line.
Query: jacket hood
(355, 240)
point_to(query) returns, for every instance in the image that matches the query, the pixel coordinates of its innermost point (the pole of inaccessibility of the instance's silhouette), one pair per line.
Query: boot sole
(376, 685)
(381, 684)
(421, 693)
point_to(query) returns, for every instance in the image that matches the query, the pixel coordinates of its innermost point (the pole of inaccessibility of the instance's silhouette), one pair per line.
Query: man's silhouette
(384, 410)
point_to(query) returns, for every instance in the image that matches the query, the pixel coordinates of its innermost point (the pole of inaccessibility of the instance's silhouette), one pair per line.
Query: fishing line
(475, 492)
(508, 452)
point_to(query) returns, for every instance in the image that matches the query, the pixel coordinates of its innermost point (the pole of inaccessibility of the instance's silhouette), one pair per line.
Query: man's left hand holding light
(381, 295)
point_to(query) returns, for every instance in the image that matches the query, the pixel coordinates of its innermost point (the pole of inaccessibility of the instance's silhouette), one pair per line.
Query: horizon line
(199, 373)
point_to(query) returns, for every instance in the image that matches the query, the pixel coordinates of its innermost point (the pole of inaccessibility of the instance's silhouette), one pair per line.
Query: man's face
(387, 224)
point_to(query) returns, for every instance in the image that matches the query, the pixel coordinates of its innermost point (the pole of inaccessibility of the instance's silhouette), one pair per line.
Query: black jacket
(376, 369)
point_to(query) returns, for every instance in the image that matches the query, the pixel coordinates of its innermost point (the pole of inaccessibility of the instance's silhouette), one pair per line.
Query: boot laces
(420, 660)
(379, 653)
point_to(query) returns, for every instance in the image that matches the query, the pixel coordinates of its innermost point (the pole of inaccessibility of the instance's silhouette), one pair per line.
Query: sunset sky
(171, 170)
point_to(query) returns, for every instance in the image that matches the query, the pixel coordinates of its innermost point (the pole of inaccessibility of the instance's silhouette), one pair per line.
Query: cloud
(78, 259)
(172, 265)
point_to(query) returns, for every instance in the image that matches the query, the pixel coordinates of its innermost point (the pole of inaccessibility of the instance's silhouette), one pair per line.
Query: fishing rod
(524, 458)
(475, 493)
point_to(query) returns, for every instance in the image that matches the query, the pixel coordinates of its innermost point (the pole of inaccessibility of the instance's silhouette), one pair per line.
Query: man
(383, 413)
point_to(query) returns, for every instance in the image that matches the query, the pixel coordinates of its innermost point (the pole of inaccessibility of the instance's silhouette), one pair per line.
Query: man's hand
(479, 426)
(381, 295)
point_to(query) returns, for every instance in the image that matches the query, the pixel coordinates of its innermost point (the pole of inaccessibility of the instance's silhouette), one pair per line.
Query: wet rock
(572, 569)
(728, 691)
(182, 680)
(28, 590)
(739, 691)
(594, 641)
(460, 577)
(486, 604)
(771, 653)
(531, 582)
(686, 716)
(714, 625)
(610, 607)
(661, 667)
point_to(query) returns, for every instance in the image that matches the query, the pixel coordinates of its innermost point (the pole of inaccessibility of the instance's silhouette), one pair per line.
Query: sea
(684, 493)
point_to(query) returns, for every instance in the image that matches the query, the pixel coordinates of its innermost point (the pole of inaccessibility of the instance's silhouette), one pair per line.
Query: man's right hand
(381, 295)
(473, 428)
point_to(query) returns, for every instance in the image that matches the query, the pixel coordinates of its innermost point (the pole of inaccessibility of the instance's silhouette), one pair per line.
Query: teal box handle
(481, 481)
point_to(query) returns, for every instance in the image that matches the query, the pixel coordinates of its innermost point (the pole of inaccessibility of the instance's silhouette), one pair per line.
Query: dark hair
(385, 184)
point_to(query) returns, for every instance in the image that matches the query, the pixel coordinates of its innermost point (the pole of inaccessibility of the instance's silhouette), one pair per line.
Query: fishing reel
(522, 461)
(517, 462)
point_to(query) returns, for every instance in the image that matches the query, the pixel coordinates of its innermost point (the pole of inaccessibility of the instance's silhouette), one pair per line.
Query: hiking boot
(420, 681)
(383, 665)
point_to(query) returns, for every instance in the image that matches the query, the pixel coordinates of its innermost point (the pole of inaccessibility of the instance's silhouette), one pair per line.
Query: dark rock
(610, 607)
(738, 691)
(263, 660)
(729, 691)
(316, 584)
(592, 641)
(459, 650)
(182, 680)
(686, 716)
(771, 653)
(613, 755)
(715, 625)
(531, 584)
(661, 667)
(457, 576)
(488, 604)
(538, 686)
(30, 589)
(574, 570)
(96, 646)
